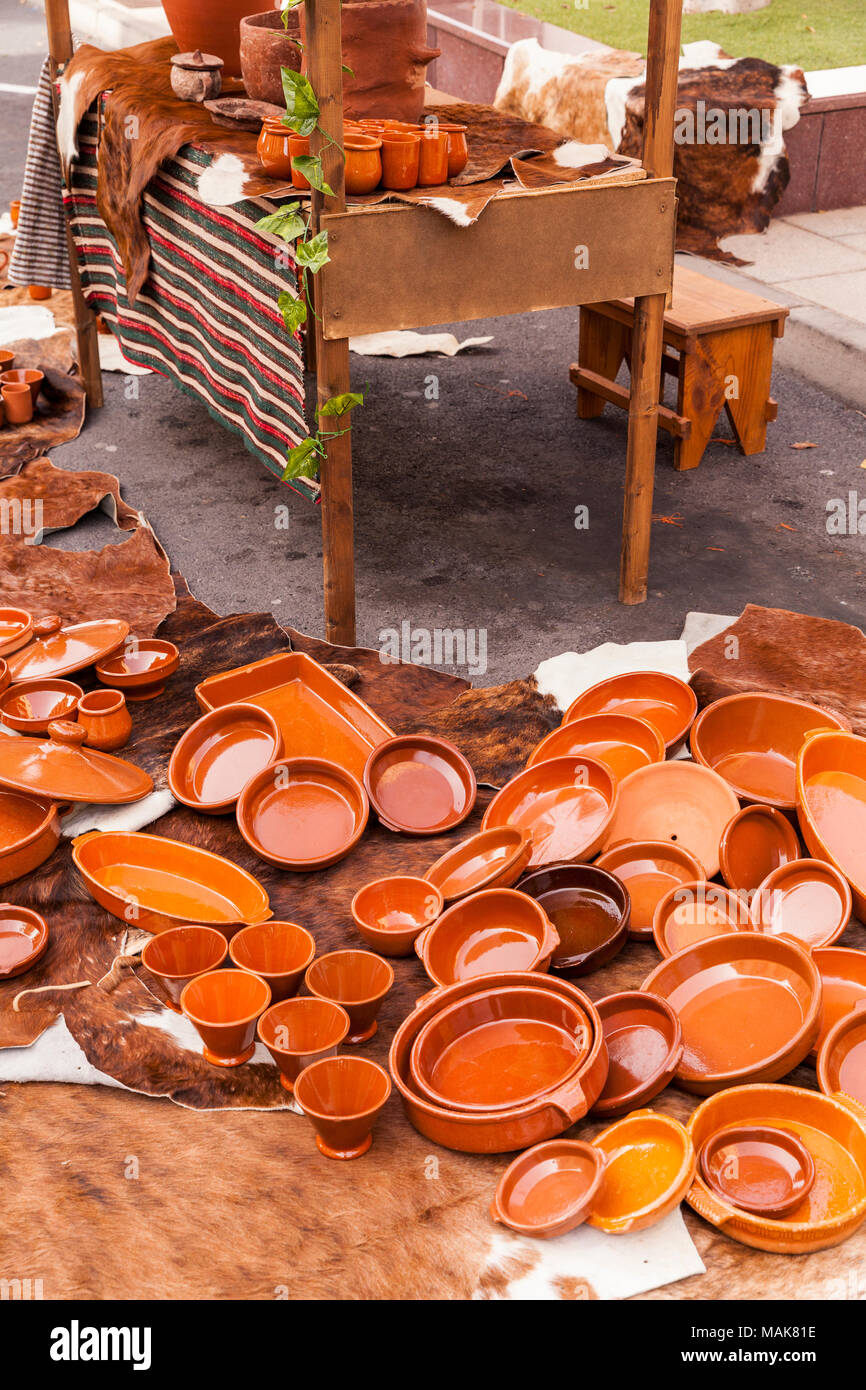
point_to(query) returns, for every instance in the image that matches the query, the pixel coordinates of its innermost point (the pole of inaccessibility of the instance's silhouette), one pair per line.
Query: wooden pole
(325, 66)
(663, 51)
(59, 52)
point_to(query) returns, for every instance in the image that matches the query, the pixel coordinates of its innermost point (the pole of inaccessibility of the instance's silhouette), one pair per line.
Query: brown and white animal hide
(59, 413)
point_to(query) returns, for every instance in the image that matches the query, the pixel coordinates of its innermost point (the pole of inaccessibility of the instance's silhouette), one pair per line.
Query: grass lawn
(811, 33)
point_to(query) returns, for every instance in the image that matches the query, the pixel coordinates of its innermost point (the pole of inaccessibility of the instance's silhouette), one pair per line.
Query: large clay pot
(212, 27)
(385, 45)
(265, 48)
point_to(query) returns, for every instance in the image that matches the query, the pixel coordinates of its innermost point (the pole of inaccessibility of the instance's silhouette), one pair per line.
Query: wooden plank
(399, 267)
(701, 304)
(599, 385)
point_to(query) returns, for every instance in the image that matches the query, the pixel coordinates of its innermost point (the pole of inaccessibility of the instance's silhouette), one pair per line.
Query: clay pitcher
(385, 45)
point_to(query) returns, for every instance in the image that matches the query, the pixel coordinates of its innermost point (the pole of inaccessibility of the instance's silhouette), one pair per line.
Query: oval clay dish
(550, 1189)
(757, 840)
(491, 859)
(831, 806)
(664, 701)
(835, 1135)
(620, 741)
(565, 804)
(219, 753)
(649, 869)
(651, 1165)
(64, 650)
(749, 1006)
(302, 813)
(680, 802)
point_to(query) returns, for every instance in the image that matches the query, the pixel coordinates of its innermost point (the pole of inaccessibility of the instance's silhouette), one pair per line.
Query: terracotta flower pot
(214, 28)
(385, 46)
(266, 47)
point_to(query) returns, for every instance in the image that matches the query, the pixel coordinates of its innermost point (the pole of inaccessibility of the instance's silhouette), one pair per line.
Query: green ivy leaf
(294, 311)
(348, 70)
(313, 254)
(302, 108)
(310, 165)
(289, 5)
(341, 405)
(302, 461)
(285, 223)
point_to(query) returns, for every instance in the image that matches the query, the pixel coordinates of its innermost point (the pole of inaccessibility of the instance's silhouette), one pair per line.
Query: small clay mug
(297, 1032)
(24, 376)
(175, 957)
(18, 404)
(433, 160)
(7, 360)
(359, 981)
(15, 211)
(40, 291)
(278, 952)
(299, 148)
(401, 151)
(363, 170)
(224, 1007)
(105, 718)
(273, 149)
(342, 1097)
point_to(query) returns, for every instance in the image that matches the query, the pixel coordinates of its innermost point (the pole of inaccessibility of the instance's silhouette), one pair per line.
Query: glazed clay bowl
(278, 952)
(589, 909)
(841, 1057)
(807, 900)
(24, 376)
(391, 913)
(302, 813)
(550, 1189)
(141, 669)
(343, 1097)
(835, 1135)
(29, 833)
(5, 677)
(644, 1043)
(501, 1049)
(419, 785)
(16, 626)
(224, 1006)
(23, 939)
(693, 912)
(752, 740)
(757, 840)
(843, 984)
(491, 859)
(496, 1131)
(649, 869)
(31, 706)
(105, 719)
(831, 806)
(651, 1164)
(758, 1168)
(358, 981)
(620, 741)
(749, 1006)
(175, 957)
(680, 802)
(297, 1032)
(491, 931)
(219, 753)
(664, 701)
(565, 804)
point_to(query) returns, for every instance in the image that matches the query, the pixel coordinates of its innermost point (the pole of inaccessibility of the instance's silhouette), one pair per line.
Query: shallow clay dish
(297, 1032)
(419, 785)
(620, 741)
(491, 859)
(589, 909)
(30, 706)
(649, 869)
(496, 1131)
(29, 833)
(501, 1048)
(151, 882)
(651, 1165)
(60, 769)
(23, 939)
(665, 702)
(302, 813)
(758, 1168)
(834, 1134)
(491, 931)
(278, 952)
(550, 1189)
(680, 802)
(693, 912)
(219, 753)
(752, 740)
(60, 651)
(391, 913)
(175, 957)
(757, 840)
(749, 1006)
(343, 1097)
(841, 1057)
(141, 669)
(806, 899)
(565, 804)
(224, 1006)
(644, 1045)
(843, 984)
(16, 625)
(831, 805)
(358, 981)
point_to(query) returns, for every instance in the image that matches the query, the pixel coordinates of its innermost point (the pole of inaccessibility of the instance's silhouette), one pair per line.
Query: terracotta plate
(666, 702)
(758, 1168)
(831, 796)
(219, 753)
(565, 804)
(620, 741)
(67, 649)
(681, 802)
(549, 1189)
(23, 939)
(843, 984)
(491, 859)
(757, 840)
(649, 868)
(62, 770)
(302, 813)
(644, 1043)
(651, 1164)
(419, 785)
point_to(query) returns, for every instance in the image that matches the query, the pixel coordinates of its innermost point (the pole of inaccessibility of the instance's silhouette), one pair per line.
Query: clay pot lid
(755, 841)
(16, 625)
(492, 857)
(419, 785)
(761, 1169)
(644, 1043)
(62, 770)
(693, 912)
(30, 706)
(648, 868)
(682, 802)
(302, 813)
(549, 1189)
(196, 61)
(589, 909)
(651, 1164)
(566, 804)
(23, 939)
(841, 1062)
(805, 899)
(620, 741)
(213, 761)
(664, 701)
(60, 651)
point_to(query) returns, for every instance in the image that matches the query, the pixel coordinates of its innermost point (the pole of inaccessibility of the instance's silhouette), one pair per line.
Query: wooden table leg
(603, 346)
(646, 356)
(338, 540)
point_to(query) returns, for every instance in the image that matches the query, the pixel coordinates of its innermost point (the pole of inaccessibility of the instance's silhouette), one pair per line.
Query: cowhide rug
(59, 413)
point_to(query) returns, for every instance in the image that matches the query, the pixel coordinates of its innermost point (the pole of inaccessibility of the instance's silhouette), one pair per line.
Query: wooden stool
(718, 343)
